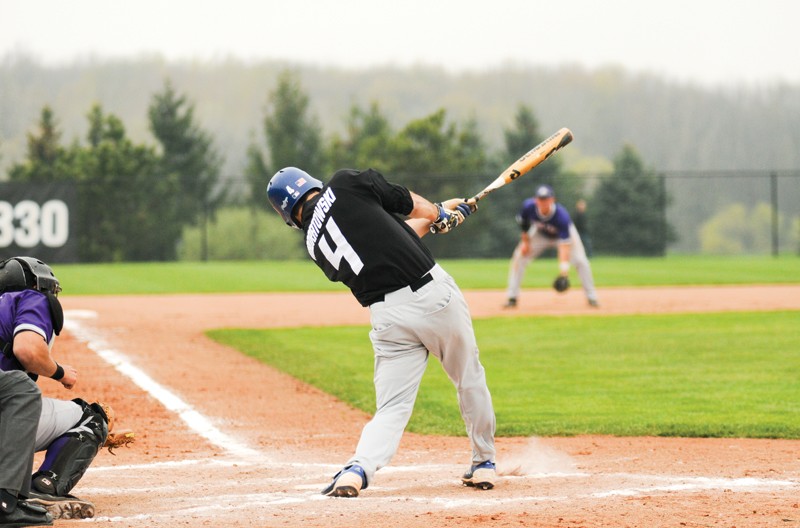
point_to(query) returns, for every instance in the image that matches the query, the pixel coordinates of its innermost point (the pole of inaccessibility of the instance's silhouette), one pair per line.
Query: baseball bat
(528, 161)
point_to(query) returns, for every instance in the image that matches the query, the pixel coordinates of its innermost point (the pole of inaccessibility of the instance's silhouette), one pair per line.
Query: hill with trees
(157, 150)
(674, 126)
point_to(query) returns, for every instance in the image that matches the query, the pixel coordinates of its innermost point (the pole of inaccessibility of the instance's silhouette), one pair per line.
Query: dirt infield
(226, 441)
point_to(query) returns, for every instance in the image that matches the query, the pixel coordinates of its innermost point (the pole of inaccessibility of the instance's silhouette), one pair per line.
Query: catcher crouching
(71, 432)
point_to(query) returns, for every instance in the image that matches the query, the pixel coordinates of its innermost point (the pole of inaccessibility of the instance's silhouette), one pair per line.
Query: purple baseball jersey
(19, 311)
(556, 225)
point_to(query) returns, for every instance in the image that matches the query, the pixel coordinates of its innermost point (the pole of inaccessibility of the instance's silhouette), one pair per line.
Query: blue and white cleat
(347, 483)
(480, 476)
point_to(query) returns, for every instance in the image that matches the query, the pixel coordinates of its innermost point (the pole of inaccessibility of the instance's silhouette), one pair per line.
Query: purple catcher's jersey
(556, 225)
(19, 311)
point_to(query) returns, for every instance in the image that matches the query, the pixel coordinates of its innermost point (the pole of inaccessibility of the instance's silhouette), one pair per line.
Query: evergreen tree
(629, 210)
(188, 152)
(423, 148)
(47, 160)
(127, 202)
(293, 138)
(366, 145)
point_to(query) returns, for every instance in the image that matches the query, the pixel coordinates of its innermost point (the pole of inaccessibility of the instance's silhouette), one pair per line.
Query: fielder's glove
(561, 284)
(452, 213)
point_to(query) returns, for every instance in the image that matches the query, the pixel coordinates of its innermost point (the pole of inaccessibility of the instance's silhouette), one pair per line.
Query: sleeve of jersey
(394, 198)
(564, 222)
(33, 313)
(523, 218)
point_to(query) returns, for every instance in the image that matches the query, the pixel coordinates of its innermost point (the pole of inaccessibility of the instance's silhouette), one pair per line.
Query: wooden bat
(529, 160)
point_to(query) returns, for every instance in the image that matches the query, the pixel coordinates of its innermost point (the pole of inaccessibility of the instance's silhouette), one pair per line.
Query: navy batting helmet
(22, 273)
(287, 188)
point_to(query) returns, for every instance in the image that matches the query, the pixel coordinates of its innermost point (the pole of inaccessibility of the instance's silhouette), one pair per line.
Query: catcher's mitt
(561, 284)
(115, 439)
(120, 439)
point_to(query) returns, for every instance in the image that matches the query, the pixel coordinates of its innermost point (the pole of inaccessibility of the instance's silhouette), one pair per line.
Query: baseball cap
(544, 191)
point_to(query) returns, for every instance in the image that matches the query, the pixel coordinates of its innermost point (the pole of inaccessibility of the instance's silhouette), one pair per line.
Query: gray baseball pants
(58, 417)
(406, 327)
(538, 243)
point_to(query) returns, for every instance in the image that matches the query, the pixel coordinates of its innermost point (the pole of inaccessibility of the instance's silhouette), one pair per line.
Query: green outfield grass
(286, 276)
(720, 375)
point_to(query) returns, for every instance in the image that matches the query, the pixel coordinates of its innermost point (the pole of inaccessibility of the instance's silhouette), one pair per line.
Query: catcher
(547, 224)
(71, 432)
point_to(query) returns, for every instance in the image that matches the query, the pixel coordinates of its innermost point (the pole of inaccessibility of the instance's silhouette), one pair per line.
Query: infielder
(547, 224)
(354, 232)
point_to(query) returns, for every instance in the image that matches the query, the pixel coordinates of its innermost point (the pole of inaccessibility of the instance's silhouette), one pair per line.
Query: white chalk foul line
(196, 421)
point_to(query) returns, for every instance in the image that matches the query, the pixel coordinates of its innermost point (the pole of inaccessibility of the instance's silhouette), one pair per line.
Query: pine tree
(628, 214)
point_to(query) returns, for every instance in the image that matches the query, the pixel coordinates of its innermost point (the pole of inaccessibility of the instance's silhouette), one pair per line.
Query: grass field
(732, 374)
(287, 276)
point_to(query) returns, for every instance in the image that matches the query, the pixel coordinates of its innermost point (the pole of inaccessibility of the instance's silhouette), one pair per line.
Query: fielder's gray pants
(538, 243)
(58, 417)
(406, 327)
(20, 408)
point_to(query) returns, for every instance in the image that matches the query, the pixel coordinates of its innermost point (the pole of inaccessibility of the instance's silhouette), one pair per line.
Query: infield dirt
(223, 440)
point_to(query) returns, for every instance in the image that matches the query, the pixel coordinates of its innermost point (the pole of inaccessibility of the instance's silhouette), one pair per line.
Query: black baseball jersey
(355, 233)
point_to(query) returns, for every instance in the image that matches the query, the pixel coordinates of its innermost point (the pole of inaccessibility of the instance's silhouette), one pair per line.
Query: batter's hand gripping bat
(529, 160)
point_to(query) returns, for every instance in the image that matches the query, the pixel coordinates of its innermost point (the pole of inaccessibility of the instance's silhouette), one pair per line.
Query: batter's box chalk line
(193, 419)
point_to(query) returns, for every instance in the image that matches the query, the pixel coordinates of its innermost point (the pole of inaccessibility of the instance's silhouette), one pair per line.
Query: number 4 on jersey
(343, 248)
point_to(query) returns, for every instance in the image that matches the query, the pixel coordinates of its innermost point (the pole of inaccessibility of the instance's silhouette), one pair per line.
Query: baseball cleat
(23, 515)
(66, 507)
(510, 303)
(593, 303)
(481, 476)
(347, 483)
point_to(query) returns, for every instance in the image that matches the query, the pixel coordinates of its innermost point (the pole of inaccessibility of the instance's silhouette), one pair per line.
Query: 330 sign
(38, 219)
(27, 224)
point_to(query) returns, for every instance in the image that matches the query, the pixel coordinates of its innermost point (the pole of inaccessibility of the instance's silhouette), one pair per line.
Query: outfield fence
(710, 212)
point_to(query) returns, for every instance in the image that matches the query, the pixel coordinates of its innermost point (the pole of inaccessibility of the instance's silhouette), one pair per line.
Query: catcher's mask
(287, 188)
(23, 273)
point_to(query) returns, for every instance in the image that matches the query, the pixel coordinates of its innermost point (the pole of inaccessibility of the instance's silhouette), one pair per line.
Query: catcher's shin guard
(69, 456)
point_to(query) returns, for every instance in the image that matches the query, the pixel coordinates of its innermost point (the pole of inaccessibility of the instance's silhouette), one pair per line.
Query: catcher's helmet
(22, 273)
(287, 188)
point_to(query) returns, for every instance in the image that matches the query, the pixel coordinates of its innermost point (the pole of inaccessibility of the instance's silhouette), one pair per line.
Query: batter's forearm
(422, 215)
(423, 209)
(421, 226)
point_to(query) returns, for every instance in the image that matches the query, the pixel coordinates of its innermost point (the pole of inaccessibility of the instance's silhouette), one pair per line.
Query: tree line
(675, 126)
(136, 200)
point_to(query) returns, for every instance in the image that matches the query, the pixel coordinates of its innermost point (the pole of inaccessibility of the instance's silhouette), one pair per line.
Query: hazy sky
(705, 41)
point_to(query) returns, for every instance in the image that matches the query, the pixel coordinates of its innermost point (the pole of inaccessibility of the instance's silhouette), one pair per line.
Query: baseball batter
(547, 224)
(356, 233)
